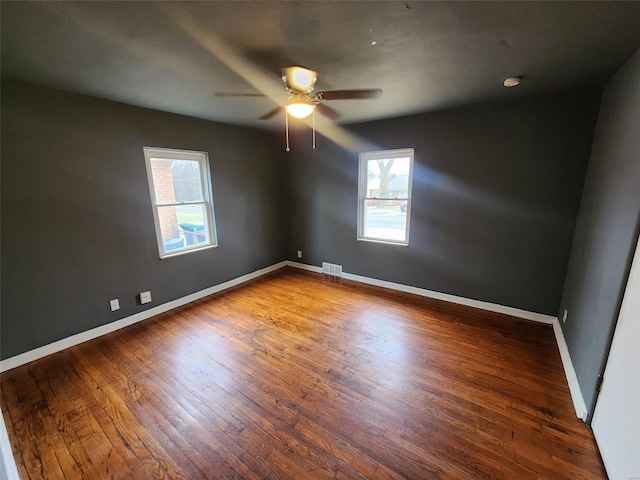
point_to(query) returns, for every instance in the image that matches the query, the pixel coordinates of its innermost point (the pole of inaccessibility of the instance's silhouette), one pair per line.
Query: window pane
(385, 195)
(183, 226)
(388, 178)
(373, 179)
(176, 180)
(385, 220)
(181, 193)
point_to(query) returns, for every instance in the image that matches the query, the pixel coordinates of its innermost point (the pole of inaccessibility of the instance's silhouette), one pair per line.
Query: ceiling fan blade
(349, 94)
(270, 113)
(327, 111)
(225, 94)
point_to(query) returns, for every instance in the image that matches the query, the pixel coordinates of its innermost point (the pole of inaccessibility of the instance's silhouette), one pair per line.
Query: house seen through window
(385, 196)
(180, 186)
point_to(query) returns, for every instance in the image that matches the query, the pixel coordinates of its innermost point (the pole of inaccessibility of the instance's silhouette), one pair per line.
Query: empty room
(320, 240)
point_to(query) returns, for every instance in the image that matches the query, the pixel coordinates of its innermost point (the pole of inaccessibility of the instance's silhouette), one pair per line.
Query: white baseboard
(54, 347)
(492, 307)
(569, 371)
(304, 266)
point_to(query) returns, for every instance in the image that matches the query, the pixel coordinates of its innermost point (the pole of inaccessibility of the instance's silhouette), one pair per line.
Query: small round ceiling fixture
(512, 81)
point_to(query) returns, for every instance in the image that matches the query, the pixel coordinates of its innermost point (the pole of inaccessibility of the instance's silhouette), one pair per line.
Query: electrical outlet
(145, 297)
(299, 253)
(115, 304)
(564, 316)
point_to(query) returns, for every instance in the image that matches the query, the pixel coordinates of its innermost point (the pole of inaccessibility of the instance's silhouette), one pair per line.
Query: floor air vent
(332, 269)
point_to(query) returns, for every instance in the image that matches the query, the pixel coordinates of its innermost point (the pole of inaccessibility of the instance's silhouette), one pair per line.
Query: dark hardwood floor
(299, 376)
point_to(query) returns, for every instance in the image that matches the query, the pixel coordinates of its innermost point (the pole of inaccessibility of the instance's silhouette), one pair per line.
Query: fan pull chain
(313, 119)
(286, 123)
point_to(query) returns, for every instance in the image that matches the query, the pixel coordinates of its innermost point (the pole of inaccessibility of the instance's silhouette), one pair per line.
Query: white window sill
(380, 240)
(184, 252)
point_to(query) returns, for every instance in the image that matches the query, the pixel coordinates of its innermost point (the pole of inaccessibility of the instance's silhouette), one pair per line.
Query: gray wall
(77, 222)
(607, 229)
(496, 191)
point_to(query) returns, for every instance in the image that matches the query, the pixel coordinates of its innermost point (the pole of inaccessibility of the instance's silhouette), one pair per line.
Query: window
(180, 186)
(385, 196)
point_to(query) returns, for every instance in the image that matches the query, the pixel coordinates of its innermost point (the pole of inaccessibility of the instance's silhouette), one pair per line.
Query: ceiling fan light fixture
(299, 79)
(300, 110)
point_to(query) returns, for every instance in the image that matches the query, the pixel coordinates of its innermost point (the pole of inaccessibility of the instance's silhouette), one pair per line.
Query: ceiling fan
(299, 83)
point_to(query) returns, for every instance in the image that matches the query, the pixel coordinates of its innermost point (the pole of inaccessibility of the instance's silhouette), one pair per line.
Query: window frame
(207, 197)
(364, 158)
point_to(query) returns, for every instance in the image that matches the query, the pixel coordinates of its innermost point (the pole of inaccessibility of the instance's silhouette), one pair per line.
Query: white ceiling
(428, 55)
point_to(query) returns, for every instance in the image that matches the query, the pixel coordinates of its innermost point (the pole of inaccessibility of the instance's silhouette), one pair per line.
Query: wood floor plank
(298, 376)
